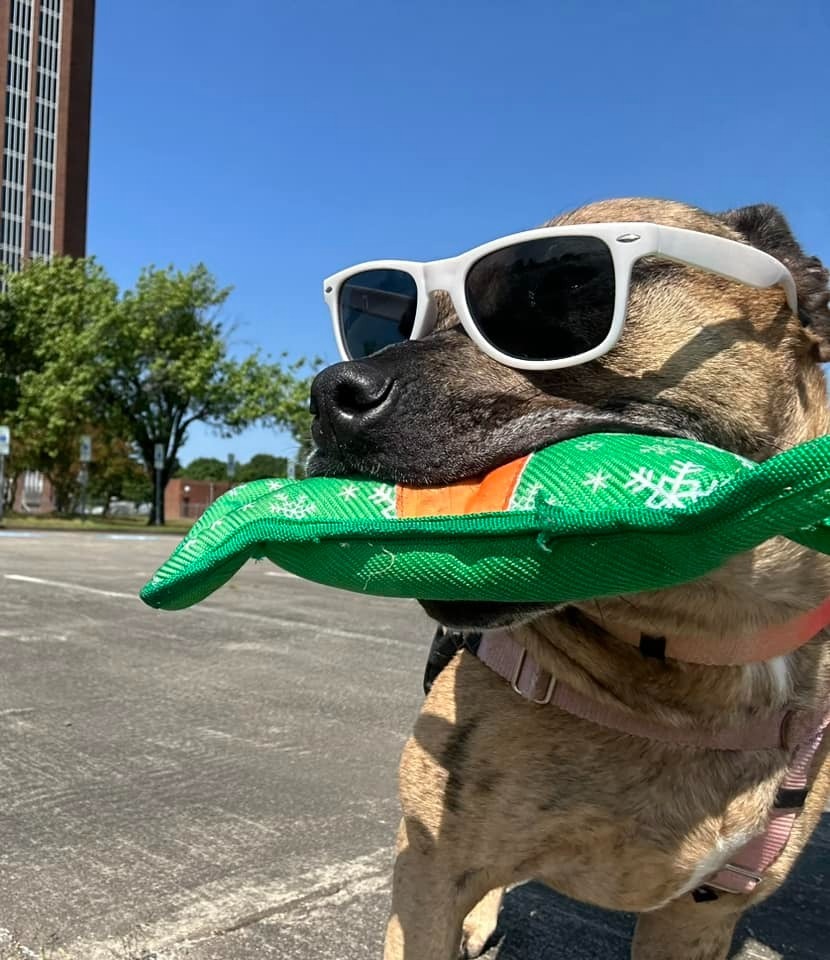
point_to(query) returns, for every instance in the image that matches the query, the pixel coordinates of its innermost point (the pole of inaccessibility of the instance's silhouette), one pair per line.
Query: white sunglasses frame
(627, 243)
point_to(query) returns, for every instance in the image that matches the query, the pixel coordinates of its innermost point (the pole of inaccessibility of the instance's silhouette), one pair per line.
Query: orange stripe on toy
(490, 495)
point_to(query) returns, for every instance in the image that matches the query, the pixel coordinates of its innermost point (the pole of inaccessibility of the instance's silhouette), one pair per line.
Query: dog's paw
(479, 930)
(474, 945)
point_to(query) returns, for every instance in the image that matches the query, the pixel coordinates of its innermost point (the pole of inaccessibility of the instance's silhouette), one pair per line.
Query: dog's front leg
(685, 930)
(428, 903)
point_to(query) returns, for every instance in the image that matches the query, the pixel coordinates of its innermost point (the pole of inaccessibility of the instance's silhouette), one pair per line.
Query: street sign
(5, 446)
(158, 465)
(86, 448)
(231, 466)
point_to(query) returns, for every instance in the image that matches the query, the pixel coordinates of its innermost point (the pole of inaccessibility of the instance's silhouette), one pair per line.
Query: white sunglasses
(537, 300)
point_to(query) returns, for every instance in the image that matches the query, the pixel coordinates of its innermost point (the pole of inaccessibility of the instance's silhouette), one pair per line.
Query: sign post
(158, 466)
(5, 447)
(83, 475)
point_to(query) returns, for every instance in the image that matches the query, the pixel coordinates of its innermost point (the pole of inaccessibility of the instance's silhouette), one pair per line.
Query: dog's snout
(347, 397)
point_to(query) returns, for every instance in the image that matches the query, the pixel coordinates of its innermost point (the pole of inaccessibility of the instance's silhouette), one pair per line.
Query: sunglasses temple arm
(728, 259)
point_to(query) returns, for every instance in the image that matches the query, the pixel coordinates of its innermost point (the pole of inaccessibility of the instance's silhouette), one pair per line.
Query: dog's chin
(483, 615)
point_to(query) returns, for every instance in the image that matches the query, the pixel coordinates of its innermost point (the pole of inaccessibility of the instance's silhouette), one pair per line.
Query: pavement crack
(265, 914)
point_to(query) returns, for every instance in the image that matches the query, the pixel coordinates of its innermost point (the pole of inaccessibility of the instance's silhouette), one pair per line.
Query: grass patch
(27, 521)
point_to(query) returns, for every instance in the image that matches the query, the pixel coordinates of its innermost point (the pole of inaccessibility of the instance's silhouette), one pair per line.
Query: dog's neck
(734, 649)
(753, 592)
(743, 598)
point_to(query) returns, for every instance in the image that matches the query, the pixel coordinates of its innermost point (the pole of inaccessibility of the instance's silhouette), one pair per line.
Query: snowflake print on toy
(673, 490)
(591, 517)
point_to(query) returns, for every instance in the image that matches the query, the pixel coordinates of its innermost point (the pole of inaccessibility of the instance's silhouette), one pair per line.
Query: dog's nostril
(357, 394)
(345, 395)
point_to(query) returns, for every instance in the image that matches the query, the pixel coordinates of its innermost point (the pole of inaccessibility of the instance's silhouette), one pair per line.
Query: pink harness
(798, 732)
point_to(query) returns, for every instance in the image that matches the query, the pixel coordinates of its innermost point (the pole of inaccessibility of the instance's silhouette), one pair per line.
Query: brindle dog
(496, 790)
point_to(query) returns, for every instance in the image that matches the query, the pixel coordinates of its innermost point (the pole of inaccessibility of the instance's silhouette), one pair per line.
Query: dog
(496, 790)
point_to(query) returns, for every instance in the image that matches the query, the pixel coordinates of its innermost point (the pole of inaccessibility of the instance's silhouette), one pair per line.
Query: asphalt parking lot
(219, 783)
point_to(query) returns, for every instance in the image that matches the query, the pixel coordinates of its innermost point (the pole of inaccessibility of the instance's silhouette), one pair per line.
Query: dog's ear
(765, 227)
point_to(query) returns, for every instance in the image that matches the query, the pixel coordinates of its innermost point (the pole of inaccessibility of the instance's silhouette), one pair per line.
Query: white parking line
(69, 586)
(224, 906)
(320, 629)
(8, 938)
(128, 536)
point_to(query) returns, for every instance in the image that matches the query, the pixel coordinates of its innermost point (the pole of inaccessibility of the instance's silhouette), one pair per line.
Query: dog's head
(700, 357)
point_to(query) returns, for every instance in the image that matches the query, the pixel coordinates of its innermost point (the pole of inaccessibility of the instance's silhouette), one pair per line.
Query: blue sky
(280, 140)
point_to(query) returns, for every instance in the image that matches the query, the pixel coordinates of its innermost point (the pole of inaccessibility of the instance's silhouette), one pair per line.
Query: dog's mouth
(432, 456)
(464, 461)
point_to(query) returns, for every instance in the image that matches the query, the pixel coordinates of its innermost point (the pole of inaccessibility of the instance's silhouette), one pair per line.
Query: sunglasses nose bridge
(440, 275)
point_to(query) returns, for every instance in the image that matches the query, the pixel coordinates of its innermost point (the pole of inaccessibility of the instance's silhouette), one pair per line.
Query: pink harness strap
(747, 869)
(783, 730)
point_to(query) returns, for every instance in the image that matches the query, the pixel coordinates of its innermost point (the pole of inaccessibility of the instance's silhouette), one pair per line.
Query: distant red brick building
(33, 493)
(188, 499)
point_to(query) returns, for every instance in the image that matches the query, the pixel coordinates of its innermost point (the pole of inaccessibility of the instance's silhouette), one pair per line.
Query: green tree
(262, 466)
(116, 472)
(205, 468)
(50, 315)
(142, 367)
(293, 412)
(167, 366)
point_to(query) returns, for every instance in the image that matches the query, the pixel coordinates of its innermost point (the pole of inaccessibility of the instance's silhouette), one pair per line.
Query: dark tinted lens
(544, 299)
(377, 308)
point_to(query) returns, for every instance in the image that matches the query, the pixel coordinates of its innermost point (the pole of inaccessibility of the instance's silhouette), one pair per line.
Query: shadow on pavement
(794, 924)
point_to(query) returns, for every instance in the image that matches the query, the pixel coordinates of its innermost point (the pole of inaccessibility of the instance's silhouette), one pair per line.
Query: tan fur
(496, 791)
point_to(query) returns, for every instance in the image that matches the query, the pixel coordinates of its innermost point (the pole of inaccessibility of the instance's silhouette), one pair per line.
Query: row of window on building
(11, 242)
(20, 24)
(16, 166)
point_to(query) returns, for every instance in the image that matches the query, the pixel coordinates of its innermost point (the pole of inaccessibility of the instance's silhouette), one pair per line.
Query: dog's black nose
(346, 399)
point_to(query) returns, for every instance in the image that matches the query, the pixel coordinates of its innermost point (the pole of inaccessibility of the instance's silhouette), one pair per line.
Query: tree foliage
(137, 368)
(205, 468)
(51, 313)
(116, 473)
(262, 466)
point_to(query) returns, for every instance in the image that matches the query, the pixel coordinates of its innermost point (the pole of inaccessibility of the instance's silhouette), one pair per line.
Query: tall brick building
(46, 65)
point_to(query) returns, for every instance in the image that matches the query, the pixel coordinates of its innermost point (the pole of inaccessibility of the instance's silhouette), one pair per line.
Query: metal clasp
(739, 871)
(514, 682)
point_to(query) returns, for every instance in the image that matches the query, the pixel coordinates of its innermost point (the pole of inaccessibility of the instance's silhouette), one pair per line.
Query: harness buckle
(514, 682)
(743, 872)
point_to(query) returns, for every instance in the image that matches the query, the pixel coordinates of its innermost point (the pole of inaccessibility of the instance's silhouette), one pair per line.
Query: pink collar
(799, 733)
(509, 659)
(772, 642)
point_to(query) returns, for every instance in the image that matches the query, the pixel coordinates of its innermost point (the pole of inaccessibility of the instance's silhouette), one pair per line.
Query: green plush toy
(590, 517)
